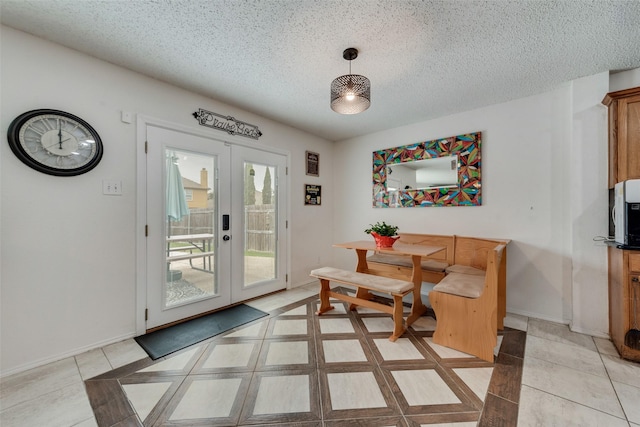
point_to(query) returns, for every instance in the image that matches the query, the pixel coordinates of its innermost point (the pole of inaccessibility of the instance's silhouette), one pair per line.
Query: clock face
(55, 142)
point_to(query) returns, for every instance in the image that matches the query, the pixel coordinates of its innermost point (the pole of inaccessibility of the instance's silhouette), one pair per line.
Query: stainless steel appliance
(627, 212)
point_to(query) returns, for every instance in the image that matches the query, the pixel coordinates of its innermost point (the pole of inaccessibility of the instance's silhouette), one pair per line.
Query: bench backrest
(494, 259)
(473, 251)
(432, 240)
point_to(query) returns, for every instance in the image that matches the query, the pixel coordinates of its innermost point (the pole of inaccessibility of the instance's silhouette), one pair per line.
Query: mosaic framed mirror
(440, 172)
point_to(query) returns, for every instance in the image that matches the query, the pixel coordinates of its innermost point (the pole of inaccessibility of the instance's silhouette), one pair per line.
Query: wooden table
(415, 251)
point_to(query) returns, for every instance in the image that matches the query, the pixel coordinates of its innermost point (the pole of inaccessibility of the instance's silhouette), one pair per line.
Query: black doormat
(159, 343)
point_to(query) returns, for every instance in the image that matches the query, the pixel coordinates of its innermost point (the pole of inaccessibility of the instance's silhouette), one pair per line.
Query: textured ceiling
(277, 58)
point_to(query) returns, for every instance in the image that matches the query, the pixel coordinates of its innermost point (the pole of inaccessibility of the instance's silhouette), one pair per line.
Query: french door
(216, 224)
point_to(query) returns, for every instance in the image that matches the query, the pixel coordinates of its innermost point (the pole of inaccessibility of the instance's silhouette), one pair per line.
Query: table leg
(206, 248)
(362, 266)
(417, 307)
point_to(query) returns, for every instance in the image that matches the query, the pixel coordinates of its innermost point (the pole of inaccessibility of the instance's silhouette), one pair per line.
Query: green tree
(266, 188)
(249, 185)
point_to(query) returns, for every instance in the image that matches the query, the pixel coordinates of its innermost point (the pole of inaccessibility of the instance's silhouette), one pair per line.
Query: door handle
(226, 237)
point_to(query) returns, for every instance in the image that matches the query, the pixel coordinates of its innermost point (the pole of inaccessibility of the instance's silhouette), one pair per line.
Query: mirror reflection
(436, 172)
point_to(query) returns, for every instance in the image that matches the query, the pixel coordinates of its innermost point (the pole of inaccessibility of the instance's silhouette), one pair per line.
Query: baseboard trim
(71, 353)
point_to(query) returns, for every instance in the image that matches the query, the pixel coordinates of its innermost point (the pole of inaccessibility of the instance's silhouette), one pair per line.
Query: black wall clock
(55, 142)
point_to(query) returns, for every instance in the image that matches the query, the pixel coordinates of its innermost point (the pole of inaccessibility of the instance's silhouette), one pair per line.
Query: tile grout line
(615, 391)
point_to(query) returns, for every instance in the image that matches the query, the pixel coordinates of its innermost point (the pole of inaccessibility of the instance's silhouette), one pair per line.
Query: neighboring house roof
(192, 185)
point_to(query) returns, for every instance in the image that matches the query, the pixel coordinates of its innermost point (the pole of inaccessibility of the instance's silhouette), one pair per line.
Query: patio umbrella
(176, 203)
(176, 200)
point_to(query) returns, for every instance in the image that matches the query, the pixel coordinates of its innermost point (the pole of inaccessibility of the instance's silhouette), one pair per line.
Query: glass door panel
(259, 232)
(190, 225)
(188, 191)
(260, 225)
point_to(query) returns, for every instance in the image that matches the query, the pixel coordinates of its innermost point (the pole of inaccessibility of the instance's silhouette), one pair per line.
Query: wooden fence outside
(259, 223)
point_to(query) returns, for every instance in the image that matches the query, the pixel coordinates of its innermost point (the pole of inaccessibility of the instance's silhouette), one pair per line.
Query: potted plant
(384, 234)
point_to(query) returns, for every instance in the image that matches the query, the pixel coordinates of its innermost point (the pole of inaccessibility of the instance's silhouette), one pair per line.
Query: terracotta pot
(384, 241)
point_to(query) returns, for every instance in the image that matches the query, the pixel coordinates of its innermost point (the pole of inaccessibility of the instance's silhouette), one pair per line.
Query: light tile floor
(568, 379)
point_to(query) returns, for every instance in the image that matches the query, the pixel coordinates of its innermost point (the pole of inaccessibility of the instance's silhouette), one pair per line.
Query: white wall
(544, 183)
(68, 266)
(588, 205)
(624, 80)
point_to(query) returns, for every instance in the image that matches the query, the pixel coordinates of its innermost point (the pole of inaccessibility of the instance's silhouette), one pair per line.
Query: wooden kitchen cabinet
(624, 263)
(624, 134)
(624, 273)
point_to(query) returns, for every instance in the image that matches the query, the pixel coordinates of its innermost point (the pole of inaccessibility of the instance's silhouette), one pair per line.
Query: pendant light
(351, 93)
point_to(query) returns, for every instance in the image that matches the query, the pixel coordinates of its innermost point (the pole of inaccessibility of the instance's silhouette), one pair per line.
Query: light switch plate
(111, 187)
(126, 117)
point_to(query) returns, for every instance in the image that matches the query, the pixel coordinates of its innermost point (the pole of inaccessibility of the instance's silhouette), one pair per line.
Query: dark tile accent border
(498, 412)
(108, 401)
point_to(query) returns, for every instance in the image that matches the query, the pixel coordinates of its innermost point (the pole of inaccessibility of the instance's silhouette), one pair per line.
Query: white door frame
(141, 202)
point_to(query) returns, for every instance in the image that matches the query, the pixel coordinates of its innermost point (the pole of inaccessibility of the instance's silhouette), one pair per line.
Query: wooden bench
(396, 288)
(400, 267)
(466, 303)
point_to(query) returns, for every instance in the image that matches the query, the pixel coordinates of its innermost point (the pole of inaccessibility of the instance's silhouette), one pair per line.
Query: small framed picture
(312, 194)
(313, 163)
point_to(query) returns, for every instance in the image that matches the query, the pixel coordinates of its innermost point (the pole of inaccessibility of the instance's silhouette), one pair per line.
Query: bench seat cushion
(405, 261)
(464, 285)
(465, 269)
(369, 281)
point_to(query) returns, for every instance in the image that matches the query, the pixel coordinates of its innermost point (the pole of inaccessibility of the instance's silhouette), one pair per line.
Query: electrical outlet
(111, 187)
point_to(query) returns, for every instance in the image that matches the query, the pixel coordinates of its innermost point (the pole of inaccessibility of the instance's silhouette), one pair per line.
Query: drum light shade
(351, 93)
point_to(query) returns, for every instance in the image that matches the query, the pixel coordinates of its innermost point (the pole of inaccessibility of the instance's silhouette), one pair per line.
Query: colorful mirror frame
(466, 193)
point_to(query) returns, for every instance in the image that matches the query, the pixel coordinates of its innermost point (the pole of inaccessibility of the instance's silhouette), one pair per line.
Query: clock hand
(60, 134)
(64, 140)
